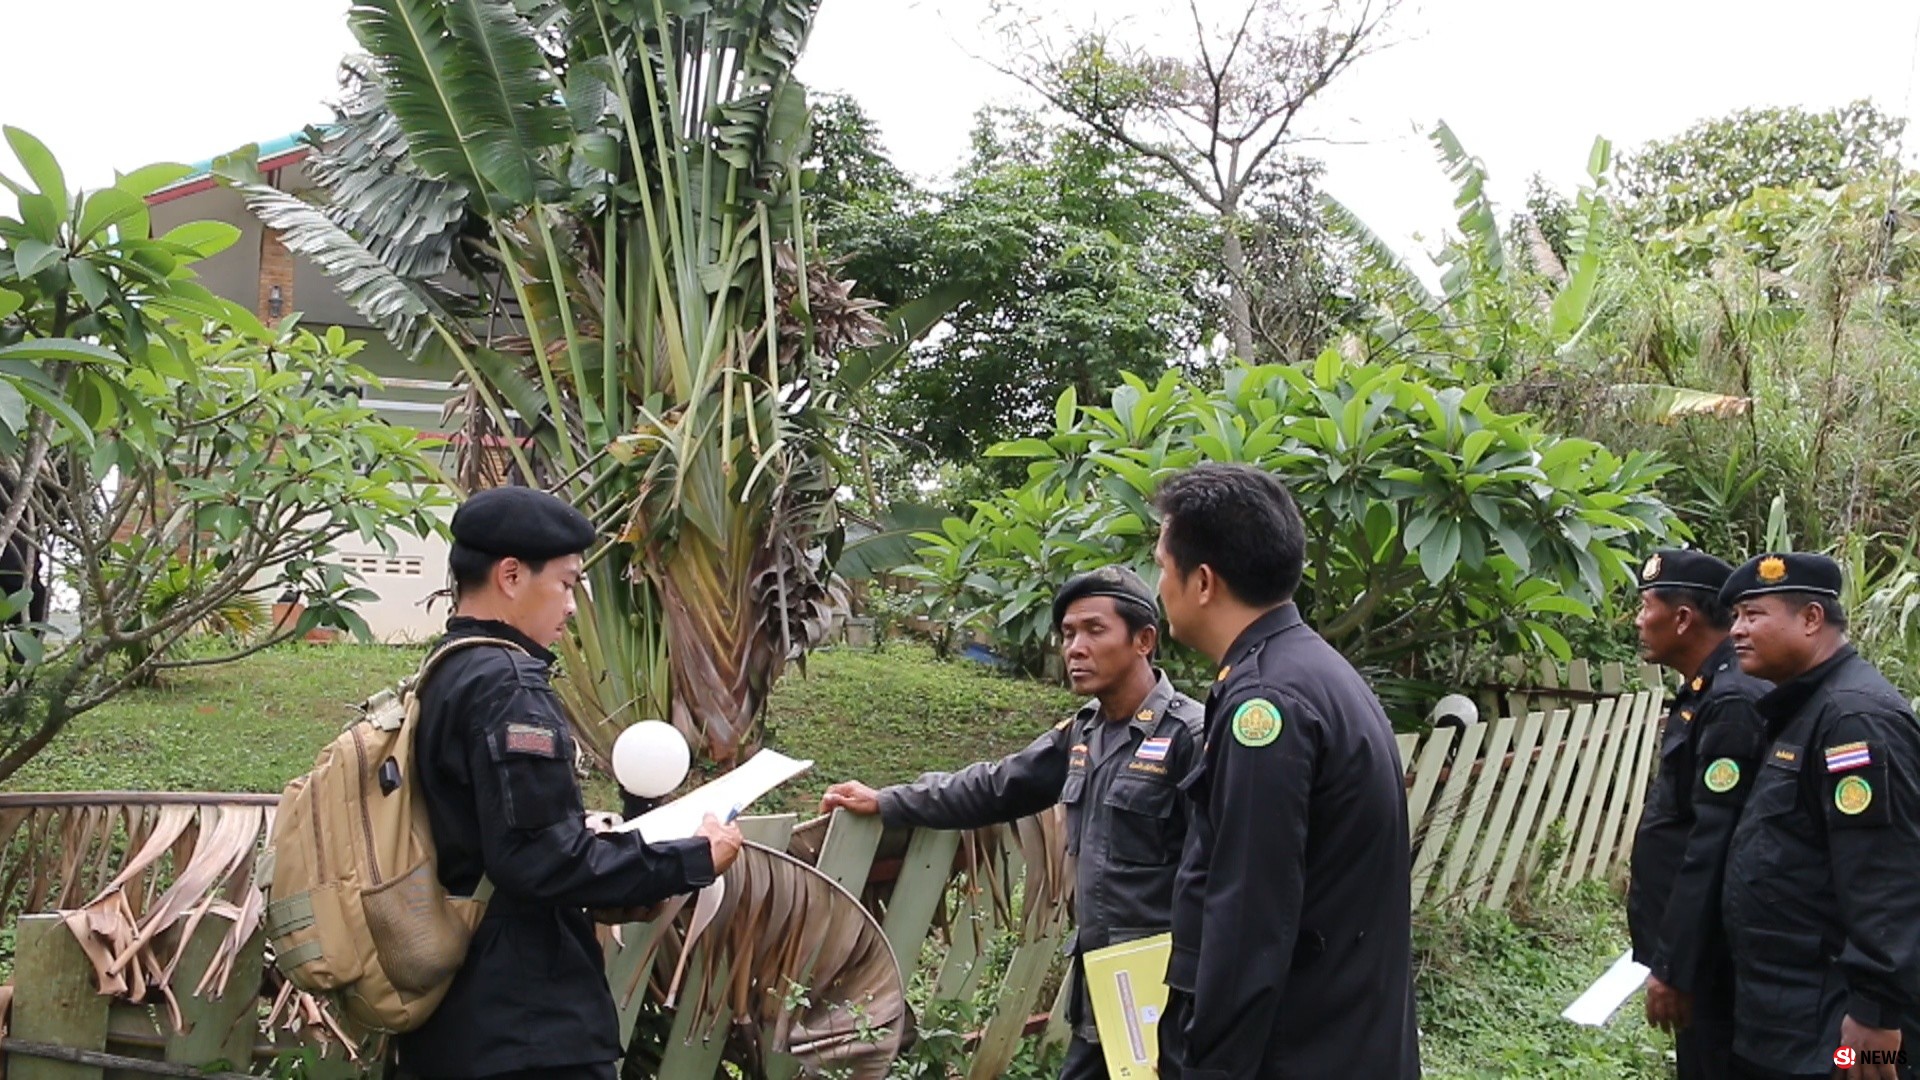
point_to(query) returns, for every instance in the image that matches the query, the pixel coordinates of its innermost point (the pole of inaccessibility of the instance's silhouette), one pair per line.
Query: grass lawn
(254, 725)
(1491, 984)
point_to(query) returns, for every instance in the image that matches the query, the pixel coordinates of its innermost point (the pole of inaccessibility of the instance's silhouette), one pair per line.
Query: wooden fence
(1542, 797)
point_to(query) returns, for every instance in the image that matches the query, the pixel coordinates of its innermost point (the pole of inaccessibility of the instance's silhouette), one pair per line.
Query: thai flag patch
(1850, 756)
(1154, 749)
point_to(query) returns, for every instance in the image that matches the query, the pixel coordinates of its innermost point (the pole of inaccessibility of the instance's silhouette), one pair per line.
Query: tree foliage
(1219, 109)
(1721, 162)
(1439, 528)
(178, 458)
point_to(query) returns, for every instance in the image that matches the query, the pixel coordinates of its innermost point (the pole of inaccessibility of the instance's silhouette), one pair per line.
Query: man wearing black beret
(1116, 765)
(1709, 752)
(1822, 898)
(495, 763)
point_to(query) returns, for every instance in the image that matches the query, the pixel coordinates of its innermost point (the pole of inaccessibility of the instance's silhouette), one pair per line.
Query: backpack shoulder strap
(409, 695)
(447, 649)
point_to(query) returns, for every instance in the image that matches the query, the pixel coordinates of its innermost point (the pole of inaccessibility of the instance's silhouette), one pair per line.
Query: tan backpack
(356, 911)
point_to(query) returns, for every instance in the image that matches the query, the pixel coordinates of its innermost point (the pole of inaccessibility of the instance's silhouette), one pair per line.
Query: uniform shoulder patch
(1723, 776)
(1848, 756)
(1852, 795)
(533, 739)
(1257, 722)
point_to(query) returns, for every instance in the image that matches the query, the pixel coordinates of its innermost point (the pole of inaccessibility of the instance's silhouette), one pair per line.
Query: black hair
(470, 569)
(1241, 521)
(1830, 607)
(1718, 615)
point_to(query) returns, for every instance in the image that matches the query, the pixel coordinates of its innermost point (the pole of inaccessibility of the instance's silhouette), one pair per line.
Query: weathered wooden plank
(1426, 775)
(217, 1029)
(1520, 842)
(1649, 758)
(917, 893)
(1580, 675)
(1624, 815)
(769, 830)
(1406, 742)
(1613, 677)
(625, 978)
(1616, 775)
(846, 855)
(1433, 837)
(56, 1001)
(690, 1054)
(1588, 720)
(1479, 800)
(1501, 824)
(960, 972)
(1058, 1029)
(1589, 802)
(1018, 992)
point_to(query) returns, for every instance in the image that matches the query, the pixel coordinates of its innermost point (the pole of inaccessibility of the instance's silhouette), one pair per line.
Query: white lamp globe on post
(650, 759)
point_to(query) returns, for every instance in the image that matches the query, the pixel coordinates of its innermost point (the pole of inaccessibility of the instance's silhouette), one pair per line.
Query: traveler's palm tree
(618, 182)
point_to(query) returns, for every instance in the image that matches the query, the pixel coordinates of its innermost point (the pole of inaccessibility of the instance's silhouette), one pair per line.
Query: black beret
(1786, 571)
(1677, 568)
(521, 523)
(1118, 582)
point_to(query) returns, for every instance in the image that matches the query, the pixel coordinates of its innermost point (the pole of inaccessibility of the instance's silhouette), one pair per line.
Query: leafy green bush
(1440, 530)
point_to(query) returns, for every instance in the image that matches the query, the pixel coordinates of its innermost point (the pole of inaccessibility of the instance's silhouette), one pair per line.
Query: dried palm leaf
(808, 970)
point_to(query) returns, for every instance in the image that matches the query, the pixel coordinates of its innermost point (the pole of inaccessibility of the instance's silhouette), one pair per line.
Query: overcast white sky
(1527, 84)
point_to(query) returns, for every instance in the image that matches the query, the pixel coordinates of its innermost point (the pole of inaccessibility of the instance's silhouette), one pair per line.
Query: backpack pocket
(418, 935)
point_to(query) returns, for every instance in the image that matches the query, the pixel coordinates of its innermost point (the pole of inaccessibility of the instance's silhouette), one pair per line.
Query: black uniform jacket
(496, 765)
(1291, 922)
(1709, 755)
(1823, 875)
(1126, 821)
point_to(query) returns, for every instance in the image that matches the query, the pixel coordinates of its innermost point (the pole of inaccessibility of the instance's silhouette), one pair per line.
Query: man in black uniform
(1292, 950)
(496, 767)
(1822, 900)
(1709, 753)
(1116, 765)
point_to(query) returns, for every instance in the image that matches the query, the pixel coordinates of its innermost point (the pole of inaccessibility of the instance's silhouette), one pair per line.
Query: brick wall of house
(276, 270)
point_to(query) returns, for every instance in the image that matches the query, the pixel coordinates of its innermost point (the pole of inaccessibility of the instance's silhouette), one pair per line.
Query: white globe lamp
(1455, 709)
(650, 759)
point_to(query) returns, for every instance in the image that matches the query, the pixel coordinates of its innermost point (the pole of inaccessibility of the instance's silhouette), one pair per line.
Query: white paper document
(1610, 991)
(720, 797)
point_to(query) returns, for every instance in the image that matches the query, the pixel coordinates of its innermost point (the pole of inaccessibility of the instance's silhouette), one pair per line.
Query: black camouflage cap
(521, 523)
(1122, 584)
(1677, 568)
(1785, 571)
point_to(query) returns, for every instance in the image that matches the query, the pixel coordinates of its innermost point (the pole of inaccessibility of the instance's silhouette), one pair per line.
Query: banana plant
(651, 319)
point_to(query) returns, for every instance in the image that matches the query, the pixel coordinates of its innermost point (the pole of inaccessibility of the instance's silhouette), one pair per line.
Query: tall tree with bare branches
(1219, 107)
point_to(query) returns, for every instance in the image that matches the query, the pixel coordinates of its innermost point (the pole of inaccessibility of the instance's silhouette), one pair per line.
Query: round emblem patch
(1651, 569)
(1257, 722)
(1852, 795)
(1723, 776)
(1771, 569)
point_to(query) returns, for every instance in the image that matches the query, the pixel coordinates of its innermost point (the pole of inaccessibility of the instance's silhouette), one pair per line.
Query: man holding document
(1116, 765)
(495, 763)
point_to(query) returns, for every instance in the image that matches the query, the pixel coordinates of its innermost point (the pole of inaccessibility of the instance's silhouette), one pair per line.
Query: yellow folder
(1126, 985)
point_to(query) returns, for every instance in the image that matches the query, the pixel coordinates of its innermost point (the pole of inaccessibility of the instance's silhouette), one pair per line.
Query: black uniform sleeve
(533, 834)
(1257, 798)
(1873, 832)
(1731, 739)
(987, 792)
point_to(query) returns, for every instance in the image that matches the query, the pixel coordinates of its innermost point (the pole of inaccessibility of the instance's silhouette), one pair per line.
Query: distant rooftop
(274, 154)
